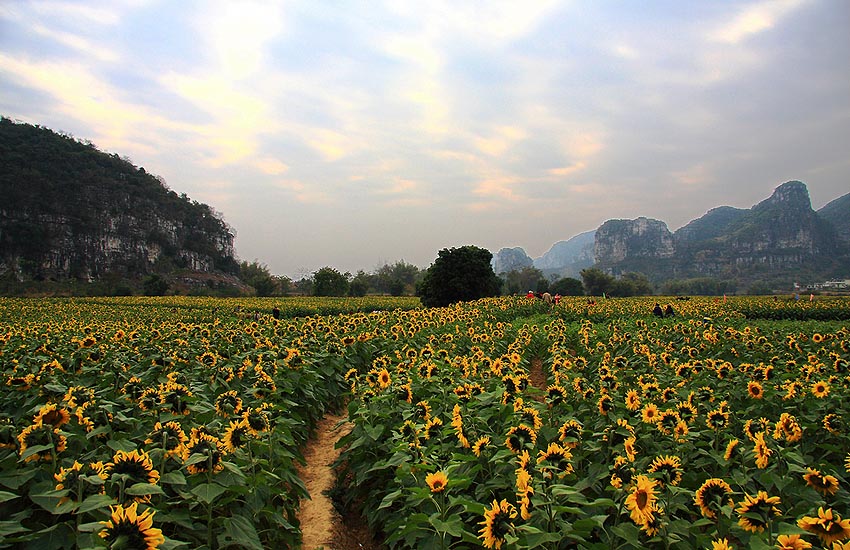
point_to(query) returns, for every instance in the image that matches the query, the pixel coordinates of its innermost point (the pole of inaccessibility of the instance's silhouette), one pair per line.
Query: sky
(352, 134)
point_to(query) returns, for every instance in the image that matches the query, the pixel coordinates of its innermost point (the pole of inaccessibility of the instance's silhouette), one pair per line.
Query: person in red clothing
(530, 294)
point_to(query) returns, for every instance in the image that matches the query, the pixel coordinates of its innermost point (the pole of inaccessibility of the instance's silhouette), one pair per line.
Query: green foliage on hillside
(63, 199)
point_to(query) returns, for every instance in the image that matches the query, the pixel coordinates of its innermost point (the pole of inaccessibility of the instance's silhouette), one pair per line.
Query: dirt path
(537, 378)
(321, 525)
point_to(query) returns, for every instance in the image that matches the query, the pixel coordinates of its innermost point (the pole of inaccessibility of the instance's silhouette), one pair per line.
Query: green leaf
(121, 445)
(95, 502)
(208, 492)
(173, 478)
(11, 527)
(144, 489)
(6, 496)
(240, 531)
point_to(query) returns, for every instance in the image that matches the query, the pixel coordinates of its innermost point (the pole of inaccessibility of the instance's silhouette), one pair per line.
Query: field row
(499, 422)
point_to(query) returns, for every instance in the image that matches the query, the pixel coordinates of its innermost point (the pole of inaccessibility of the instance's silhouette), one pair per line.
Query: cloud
(271, 166)
(753, 20)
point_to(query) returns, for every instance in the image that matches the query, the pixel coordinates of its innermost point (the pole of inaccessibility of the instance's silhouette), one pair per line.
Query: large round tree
(459, 275)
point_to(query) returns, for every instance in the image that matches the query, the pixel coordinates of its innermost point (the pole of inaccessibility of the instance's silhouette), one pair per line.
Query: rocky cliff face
(510, 259)
(780, 234)
(837, 213)
(620, 240)
(73, 212)
(568, 258)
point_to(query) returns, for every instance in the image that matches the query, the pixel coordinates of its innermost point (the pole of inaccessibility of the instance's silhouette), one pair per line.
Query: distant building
(830, 285)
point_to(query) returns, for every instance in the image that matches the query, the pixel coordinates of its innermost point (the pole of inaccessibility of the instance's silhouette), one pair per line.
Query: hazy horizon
(356, 135)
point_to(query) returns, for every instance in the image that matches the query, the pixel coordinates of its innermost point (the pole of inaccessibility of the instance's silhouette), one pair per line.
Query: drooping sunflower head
(480, 444)
(712, 495)
(556, 394)
(133, 530)
(257, 420)
(236, 435)
(555, 460)
(792, 542)
(570, 434)
(433, 428)
(497, 523)
(169, 437)
(228, 403)
(135, 466)
(81, 481)
(204, 452)
(823, 484)
(755, 511)
(833, 424)
(53, 415)
(520, 436)
(667, 470)
(828, 526)
(38, 435)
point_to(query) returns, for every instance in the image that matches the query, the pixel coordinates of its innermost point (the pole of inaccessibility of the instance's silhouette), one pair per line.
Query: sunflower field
(500, 423)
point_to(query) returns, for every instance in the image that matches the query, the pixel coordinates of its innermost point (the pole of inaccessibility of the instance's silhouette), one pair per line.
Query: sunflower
(497, 523)
(823, 484)
(384, 379)
(820, 389)
(457, 424)
(721, 544)
(228, 403)
(53, 415)
(257, 420)
(131, 529)
(40, 435)
(424, 410)
(480, 444)
(570, 433)
(817, 338)
(632, 400)
(833, 424)
(136, 467)
(236, 435)
(668, 470)
(77, 482)
(755, 389)
(208, 358)
(730, 449)
(622, 471)
(437, 482)
(792, 542)
(555, 460)
(169, 437)
(531, 416)
(433, 428)
(77, 396)
(717, 419)
(641, 500)
(649, 414)
(175, 396)
(667, 421)
(556, 394)
(520, 436)
(712, 495)
(788, 427)
(828, 526)
(755, 511)
(761, 450)
(209, 451)
(687, 411)
(605, 404)
(133, 388)
(149, 399)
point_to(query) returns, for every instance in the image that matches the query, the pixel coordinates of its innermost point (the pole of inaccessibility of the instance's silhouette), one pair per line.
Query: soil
(321, 525)
(537, 378)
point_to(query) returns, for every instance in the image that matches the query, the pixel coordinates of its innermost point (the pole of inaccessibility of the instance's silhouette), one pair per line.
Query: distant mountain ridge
(70, 211)
(780, 239)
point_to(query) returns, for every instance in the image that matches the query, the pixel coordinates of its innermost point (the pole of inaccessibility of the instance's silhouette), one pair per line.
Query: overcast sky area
(353, 134)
